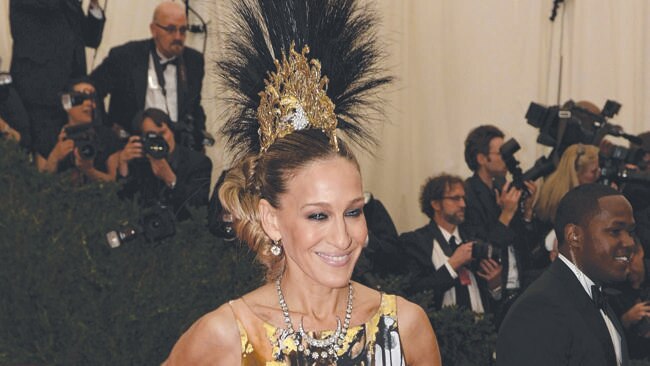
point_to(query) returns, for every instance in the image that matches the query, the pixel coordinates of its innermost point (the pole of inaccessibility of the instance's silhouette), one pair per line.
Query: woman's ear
(269, 219)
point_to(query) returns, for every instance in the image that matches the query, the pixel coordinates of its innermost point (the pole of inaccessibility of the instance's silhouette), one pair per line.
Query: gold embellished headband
(295, 98)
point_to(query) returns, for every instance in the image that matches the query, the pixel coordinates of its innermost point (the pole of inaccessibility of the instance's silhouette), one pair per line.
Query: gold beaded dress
(374, 343)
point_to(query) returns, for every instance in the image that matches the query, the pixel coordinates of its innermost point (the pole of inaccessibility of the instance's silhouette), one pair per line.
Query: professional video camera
(542, 167)
(85, 139)
(562, 126)
(5, 84)
(155, 145)
(156, 223)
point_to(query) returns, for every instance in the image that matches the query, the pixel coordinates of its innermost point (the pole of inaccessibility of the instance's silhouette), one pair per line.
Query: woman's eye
(353, 213)
(318, 216)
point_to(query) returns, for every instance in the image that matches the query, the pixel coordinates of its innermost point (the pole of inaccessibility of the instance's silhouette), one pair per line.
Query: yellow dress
(375, 343)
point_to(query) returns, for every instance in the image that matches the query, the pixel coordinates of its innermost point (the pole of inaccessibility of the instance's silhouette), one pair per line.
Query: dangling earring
(276, 247)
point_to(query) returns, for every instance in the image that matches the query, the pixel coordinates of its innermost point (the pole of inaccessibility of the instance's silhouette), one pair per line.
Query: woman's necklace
(323, 349)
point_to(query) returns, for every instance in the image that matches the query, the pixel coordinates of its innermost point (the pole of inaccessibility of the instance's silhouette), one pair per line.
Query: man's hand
(162, 170)
(462, 256)
(508, 200)
(490, 270)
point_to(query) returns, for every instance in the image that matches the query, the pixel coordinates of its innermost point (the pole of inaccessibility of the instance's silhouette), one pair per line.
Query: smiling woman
(297, 198)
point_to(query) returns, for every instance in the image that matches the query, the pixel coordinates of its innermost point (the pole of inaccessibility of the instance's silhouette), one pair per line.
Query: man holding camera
(156, 73)
(82, 146)
(160, 170)
(564, 317)
(459, 271)
(493, 208)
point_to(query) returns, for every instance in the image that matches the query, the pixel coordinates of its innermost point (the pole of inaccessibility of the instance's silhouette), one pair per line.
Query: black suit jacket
(49, 46)
(418, 246)
(123, 75)
(554, 322)
(482, 221)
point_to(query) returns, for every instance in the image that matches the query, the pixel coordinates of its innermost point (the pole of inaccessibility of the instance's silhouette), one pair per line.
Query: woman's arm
(212, 340)
(418, 339)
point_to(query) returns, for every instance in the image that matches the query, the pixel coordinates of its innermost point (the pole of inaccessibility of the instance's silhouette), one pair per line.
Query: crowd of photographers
(151, 137)
(487, 238)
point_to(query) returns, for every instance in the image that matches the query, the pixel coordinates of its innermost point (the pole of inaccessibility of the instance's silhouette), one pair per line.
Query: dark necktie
(452, 243)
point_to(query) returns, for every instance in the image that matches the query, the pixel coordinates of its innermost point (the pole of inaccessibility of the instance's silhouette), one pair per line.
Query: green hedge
(67, 299)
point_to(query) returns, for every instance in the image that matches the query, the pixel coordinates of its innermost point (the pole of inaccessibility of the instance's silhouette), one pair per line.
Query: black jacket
(123, 75)
(49, 40)
(482, 221)
(418, 247)
(554, 322)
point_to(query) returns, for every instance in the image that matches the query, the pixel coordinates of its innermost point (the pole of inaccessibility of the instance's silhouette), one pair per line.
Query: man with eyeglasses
(493, 209)
(160, 72)
(441, 256)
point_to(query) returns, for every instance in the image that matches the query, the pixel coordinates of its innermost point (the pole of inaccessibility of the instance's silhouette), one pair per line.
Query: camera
(613, 166)
(485, 250)
(156, 223)
(73, 99)
(542, 167)
(85, 139)
(562, 126)
(154, 145)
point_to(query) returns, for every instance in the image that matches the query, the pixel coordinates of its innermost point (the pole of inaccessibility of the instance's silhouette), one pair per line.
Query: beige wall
(458, 64)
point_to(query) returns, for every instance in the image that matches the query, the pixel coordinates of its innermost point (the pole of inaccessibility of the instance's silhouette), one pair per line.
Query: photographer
(159, 72)
(494, 212)
(82, 146)
(158, 169)
(441, 256)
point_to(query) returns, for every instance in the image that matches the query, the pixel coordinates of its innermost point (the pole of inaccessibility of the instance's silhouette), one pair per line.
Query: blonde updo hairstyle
(265, 175)
(575, 160)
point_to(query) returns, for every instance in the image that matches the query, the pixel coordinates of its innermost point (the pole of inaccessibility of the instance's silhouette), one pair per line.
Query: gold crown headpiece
(295, 98)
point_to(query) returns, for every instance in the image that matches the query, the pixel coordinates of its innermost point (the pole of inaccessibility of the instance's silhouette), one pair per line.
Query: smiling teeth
(623, 259)
(334, 258)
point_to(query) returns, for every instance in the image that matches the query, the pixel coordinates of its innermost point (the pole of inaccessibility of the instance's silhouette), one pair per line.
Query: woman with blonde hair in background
(578, 165)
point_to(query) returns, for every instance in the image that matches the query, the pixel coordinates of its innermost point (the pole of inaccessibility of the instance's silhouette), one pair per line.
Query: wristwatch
(172, 184)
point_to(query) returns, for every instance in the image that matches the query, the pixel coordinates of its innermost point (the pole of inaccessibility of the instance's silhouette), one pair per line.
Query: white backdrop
(459, 64)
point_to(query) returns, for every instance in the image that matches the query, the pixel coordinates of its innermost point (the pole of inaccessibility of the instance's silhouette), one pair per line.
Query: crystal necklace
(318, 349)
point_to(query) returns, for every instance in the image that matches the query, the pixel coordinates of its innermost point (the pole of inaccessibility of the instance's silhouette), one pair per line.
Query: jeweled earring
(276, 247)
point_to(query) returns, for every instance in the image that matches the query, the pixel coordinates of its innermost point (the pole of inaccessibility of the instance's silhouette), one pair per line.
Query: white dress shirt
(439, 259)
(155, 97)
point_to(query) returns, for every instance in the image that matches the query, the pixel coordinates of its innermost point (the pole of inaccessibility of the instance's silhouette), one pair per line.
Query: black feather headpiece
(339, 34)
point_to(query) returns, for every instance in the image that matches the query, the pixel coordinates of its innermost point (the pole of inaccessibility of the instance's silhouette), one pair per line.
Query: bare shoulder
(212, 340)
(418, 339)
